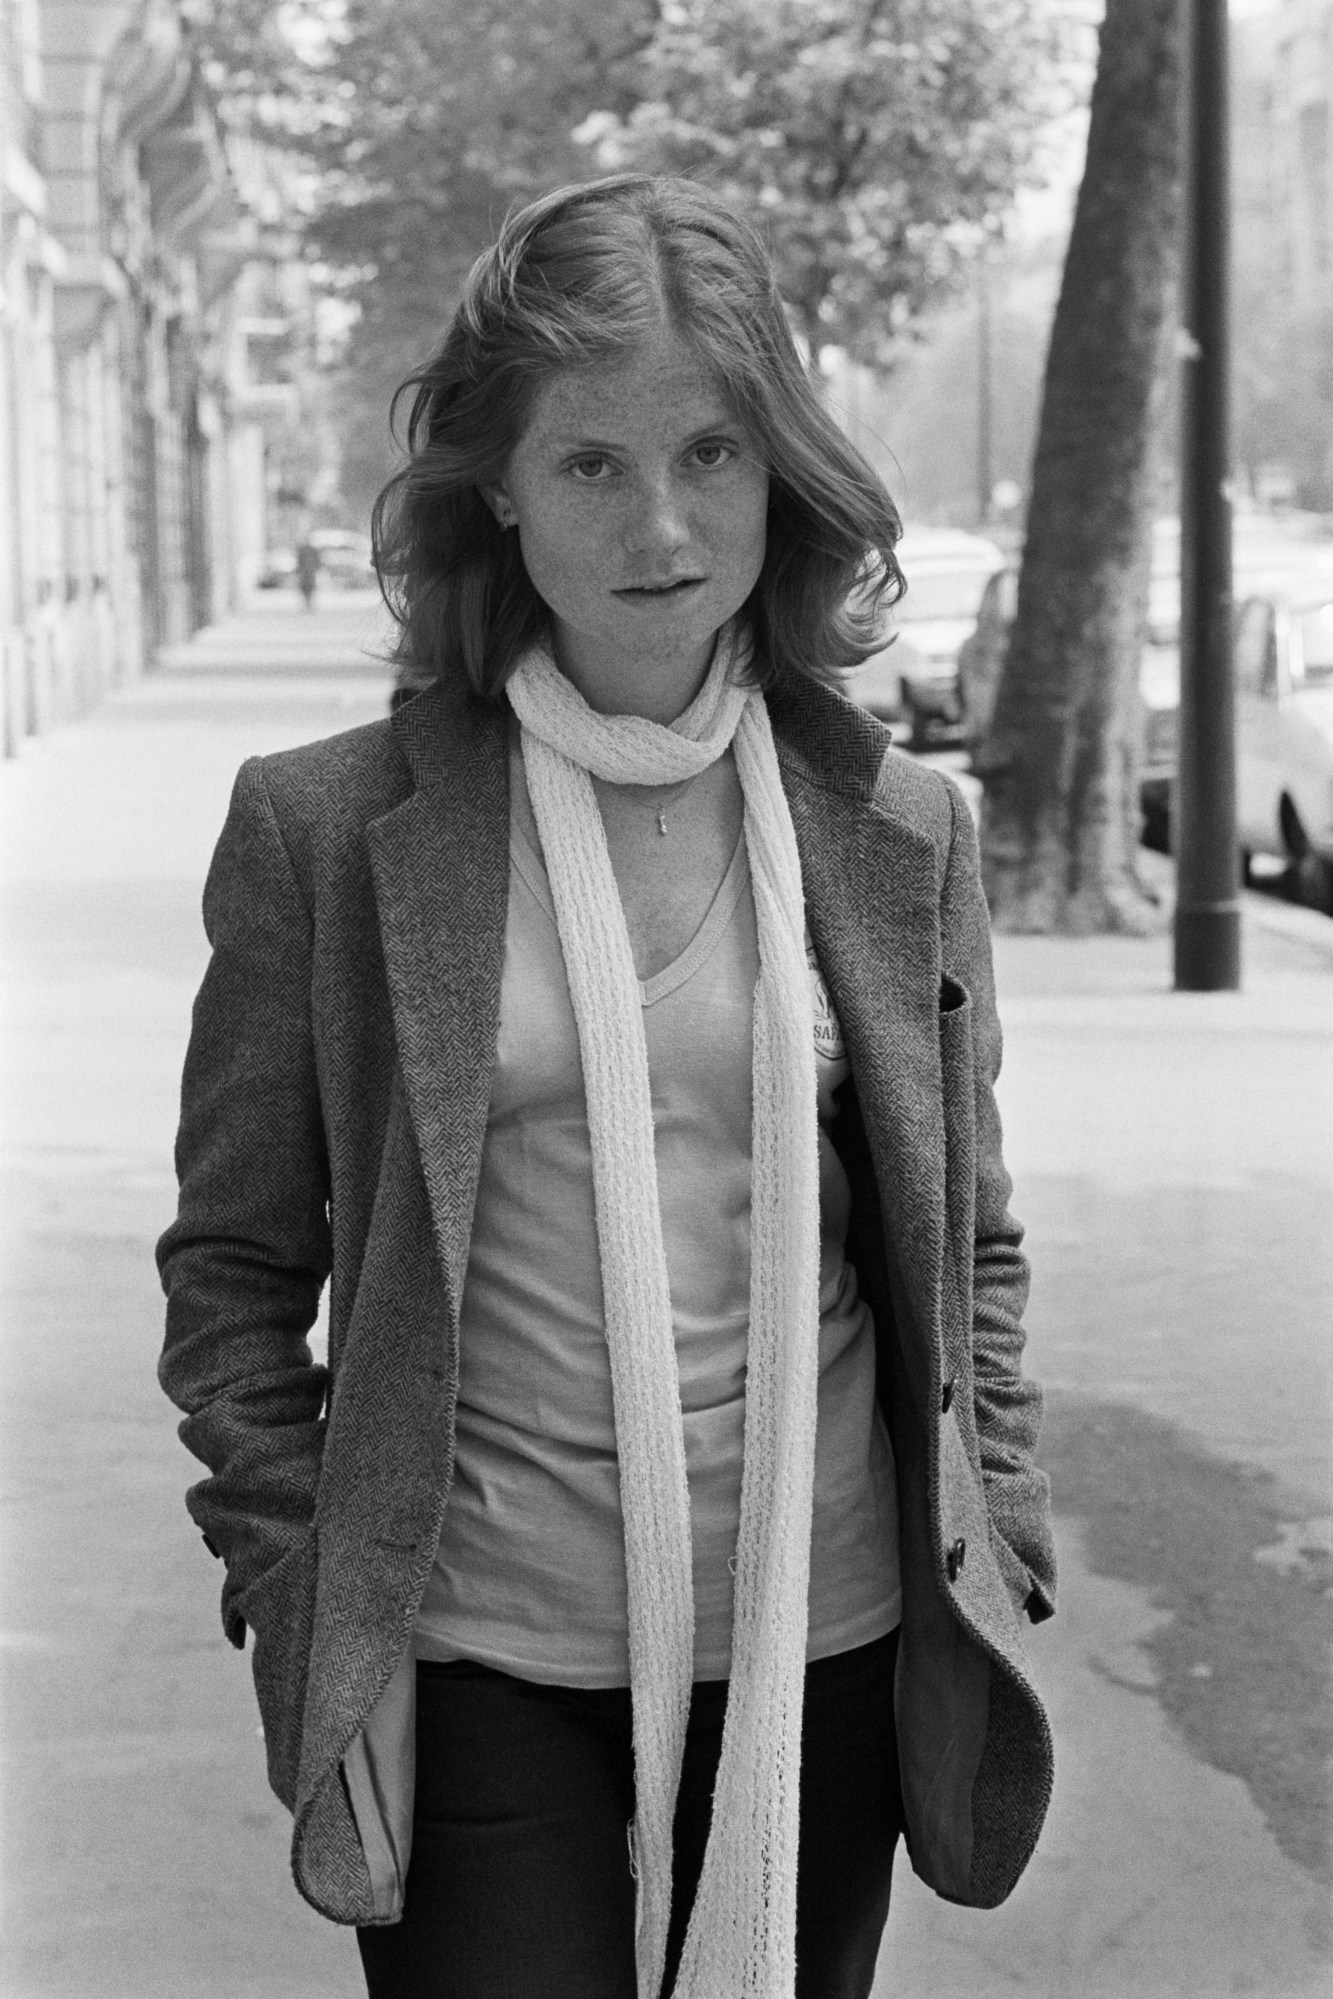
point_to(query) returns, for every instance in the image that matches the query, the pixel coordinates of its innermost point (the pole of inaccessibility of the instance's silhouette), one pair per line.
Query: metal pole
(1207, 924)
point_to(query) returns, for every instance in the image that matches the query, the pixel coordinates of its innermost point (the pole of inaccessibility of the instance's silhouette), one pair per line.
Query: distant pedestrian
(614, 1028)
(307, 572)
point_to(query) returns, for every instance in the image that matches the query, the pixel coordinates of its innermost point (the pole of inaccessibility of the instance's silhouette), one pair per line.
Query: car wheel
(1314, 881)
(1311, 874)
(1155, 831)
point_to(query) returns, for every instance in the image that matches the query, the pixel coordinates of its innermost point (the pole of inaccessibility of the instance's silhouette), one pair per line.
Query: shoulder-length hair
(580, 276)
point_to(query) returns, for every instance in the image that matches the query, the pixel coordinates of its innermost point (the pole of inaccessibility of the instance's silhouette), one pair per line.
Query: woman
(615, 1028)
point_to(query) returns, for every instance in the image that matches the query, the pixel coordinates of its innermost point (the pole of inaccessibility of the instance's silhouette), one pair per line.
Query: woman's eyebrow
(585, 441)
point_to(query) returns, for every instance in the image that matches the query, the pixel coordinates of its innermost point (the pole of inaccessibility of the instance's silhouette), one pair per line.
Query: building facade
(132, 436)
(1303, 132)
(1283, 252)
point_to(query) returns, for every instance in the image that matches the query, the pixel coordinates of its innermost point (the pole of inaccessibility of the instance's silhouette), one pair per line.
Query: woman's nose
(658, 520)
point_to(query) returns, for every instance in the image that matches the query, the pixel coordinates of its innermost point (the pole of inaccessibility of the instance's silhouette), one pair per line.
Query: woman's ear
(497, 499)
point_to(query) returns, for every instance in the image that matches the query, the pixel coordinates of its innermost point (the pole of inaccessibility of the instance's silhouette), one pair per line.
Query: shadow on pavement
(1243, 1658)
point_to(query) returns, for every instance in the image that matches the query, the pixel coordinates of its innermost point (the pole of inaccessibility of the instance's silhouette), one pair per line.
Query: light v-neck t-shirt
(529, 1576)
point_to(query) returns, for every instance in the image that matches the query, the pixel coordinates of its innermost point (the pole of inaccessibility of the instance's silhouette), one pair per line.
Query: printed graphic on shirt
(829, 1044)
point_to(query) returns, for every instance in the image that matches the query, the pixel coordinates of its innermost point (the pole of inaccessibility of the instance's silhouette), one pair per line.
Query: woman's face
(641, 505)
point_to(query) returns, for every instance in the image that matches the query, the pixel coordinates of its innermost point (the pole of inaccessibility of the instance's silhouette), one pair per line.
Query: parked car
(914, 680)
(1267, 551)
(344, 557)
(1283, 653)
(1283, 650)
(344, 561)
(278, 571)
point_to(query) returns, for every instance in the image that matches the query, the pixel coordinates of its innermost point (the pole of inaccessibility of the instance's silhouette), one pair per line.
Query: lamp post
(1207, 922)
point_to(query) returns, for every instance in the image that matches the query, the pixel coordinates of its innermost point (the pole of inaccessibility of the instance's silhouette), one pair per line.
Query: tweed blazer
(334, 1106)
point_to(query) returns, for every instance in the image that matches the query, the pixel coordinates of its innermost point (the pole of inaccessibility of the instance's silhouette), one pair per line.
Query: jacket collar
(439, 730)
(827, 739)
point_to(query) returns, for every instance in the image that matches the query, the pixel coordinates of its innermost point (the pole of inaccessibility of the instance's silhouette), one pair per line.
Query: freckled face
(641, 506)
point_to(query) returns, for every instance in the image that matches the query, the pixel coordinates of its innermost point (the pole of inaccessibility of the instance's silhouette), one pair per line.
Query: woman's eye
(713, 453)
(590, 467)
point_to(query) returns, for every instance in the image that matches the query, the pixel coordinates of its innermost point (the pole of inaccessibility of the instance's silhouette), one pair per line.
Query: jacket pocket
(279, 1607)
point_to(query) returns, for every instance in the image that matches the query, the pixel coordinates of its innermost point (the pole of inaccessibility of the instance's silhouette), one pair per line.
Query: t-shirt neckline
(530, 864)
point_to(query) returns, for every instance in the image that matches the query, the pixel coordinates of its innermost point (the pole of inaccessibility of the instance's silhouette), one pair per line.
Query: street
(1173, 1159)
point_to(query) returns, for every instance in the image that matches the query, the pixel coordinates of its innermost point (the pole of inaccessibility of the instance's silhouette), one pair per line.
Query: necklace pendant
(661, 821)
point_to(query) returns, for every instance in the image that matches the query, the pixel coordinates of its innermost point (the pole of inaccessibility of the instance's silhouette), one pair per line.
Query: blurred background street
(228, 230)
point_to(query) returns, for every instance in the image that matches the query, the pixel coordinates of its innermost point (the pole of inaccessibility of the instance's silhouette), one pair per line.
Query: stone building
(131, 432)
(1303, 120)
(1283, 261)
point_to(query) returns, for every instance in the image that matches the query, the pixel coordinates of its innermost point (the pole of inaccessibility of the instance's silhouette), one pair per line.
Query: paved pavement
(1173, 1160)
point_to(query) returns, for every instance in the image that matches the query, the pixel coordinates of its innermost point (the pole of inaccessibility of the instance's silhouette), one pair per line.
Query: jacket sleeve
(245, 1260)
(1007, 1406)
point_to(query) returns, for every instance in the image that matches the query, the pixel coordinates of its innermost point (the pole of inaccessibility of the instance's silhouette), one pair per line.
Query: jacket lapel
(872, 892)
(441, 868)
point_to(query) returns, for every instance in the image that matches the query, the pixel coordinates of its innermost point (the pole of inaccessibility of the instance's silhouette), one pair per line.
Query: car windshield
(955, 595)
(1317, 643)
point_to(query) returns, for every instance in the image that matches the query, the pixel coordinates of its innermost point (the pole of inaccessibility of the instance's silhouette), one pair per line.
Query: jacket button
(953, 1561)
(946, 1400)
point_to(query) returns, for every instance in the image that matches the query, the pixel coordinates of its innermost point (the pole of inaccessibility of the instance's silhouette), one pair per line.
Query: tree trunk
(1060, 816)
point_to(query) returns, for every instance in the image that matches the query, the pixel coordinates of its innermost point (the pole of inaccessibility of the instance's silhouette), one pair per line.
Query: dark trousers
(519, 1885)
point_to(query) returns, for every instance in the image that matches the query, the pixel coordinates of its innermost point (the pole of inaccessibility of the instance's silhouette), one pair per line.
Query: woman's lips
(677, 588)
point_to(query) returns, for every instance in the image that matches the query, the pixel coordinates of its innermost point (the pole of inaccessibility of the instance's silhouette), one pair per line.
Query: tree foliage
(875, 140)
(418, 125)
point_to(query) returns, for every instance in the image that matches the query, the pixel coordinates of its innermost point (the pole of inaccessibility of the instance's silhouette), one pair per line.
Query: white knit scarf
(741, 1939)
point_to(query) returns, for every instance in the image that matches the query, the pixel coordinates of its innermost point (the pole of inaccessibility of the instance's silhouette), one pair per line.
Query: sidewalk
(1172, 1159)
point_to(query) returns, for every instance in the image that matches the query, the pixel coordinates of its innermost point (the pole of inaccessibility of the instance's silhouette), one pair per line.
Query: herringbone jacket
(334, 1106)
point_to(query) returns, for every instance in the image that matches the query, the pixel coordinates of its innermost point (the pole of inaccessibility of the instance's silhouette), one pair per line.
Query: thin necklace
(676, 791)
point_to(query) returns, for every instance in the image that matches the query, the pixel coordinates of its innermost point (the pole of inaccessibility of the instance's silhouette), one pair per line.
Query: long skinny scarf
(741, 1939)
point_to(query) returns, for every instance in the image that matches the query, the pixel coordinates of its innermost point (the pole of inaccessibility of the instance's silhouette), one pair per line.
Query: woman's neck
(658, 689)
